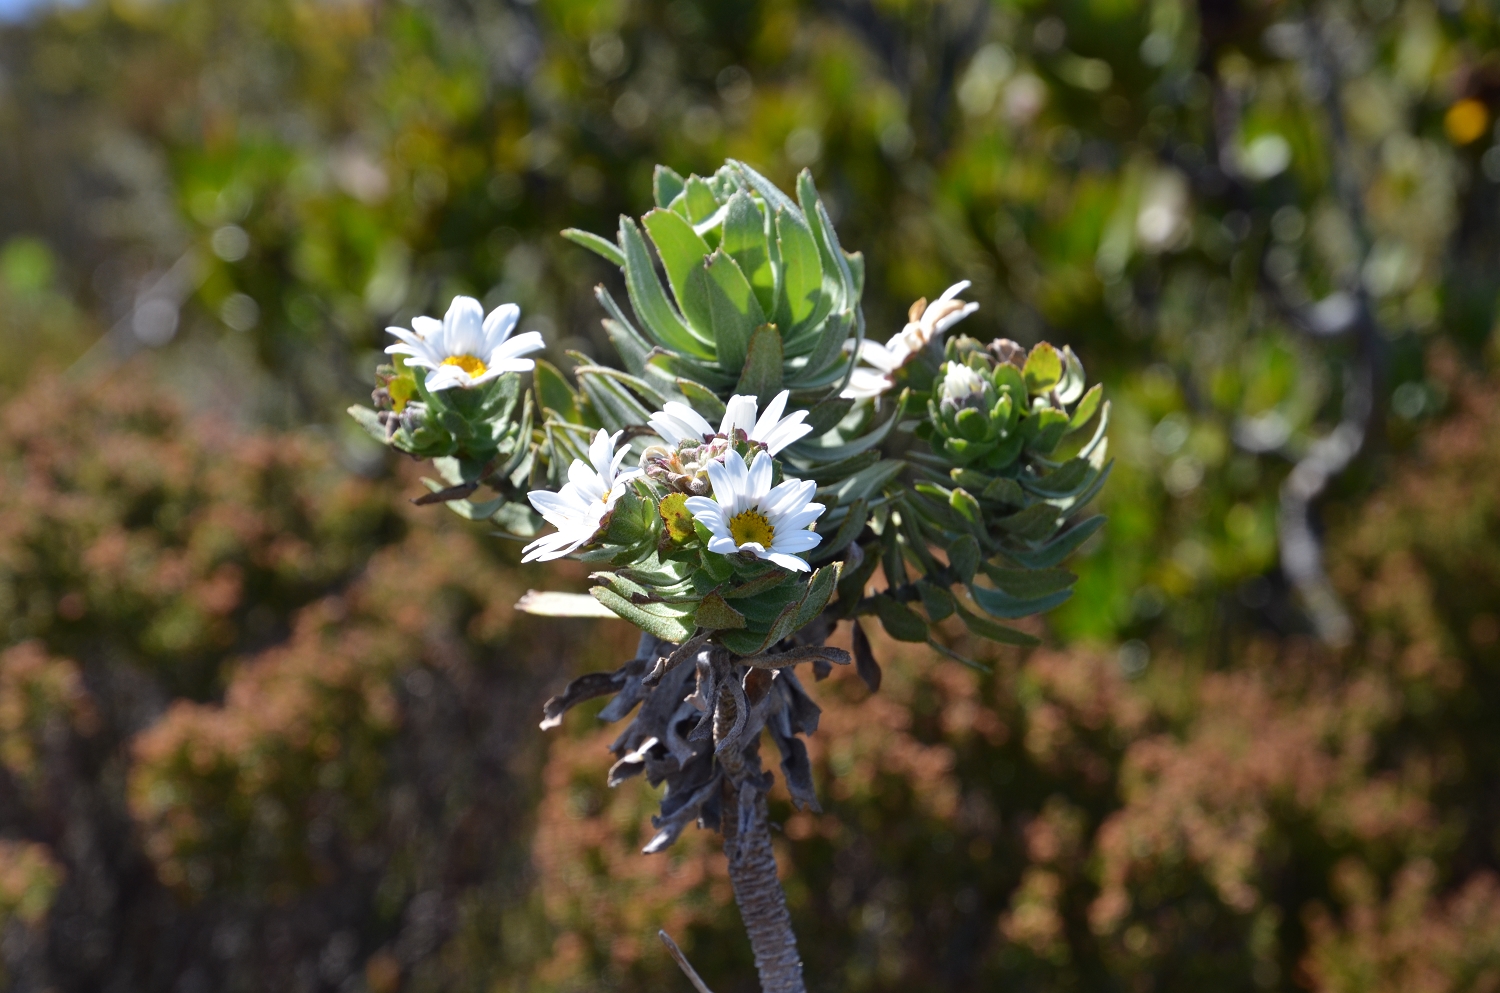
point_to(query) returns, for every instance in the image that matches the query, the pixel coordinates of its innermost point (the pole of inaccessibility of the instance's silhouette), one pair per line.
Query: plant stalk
(752, 862)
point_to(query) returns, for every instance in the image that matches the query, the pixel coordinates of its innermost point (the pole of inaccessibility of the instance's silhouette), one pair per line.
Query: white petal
(758, 480)
(500, 323)
(703, 509)
(738, 413)
(514, 348)
(410, 337)
(878, 355)
(694, 422)
(602, 451)
(446, 376)
(796, 541)
(723, 544)
(790, 562)
(790, 430)
(427, 327)
(463, 327)
(953, 291)
(770, 418)
(953, 318)
(669, 429)
(789, 495)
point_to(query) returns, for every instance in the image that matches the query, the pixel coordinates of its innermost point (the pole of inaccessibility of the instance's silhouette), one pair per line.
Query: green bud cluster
(988, 404)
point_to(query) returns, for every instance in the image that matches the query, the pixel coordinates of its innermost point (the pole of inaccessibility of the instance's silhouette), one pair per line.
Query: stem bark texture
(752, 862)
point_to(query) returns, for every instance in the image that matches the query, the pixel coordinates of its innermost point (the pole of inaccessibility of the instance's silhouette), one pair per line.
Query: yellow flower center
(468, 363)
(751, 525)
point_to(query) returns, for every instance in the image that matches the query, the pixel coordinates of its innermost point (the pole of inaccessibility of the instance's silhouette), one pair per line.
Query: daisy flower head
(748, 515)
(678, 424)
(579, 508)
(925, 324)
(466, 348)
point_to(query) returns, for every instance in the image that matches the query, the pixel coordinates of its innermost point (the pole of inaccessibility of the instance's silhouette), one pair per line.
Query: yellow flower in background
(1466, 120)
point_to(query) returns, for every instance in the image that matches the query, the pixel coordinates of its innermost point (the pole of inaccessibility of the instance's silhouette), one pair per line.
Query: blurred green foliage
(1231, 211)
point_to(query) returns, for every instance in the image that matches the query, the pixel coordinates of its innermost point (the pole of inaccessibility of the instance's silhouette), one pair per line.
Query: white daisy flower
(578, 509)
(466, 348)
(748, 515)
(926, 322)
(677, 423)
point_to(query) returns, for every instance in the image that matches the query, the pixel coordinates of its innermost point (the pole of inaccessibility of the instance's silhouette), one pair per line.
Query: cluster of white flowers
(678, 423)
(926, 323)
(746, 514)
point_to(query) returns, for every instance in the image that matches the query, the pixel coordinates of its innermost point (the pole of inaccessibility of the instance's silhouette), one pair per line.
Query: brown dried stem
(747, 846)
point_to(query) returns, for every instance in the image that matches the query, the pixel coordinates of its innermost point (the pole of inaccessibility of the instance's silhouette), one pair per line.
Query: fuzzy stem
(752, 862)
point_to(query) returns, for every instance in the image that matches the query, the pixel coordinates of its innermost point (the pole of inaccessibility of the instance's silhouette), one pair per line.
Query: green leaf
(1086, 407)
(634, 520)
(702, 399)
(554, 393)
(963, 501)
(716, 615)
(824, 416)
(762, 375)
(664, 621)
(650, 301)
(863, 485)
(853, 523)
(1036, 523)
(368, 420)
(549, 604)
(963, 557)
(1029, 583)
(852, 585)
(701, 202)
(802, 280)
(819, 591)
(805, 452)
(608, 250)
(768, 580)
(856, 263)
(1003, 490)
(1067, 479)
(943, 649)
(1051, 425)
(1060, 547)
(666, 185)
(1008, 379)
(986, 628)
(937, 601)
(899, 620)
(682, 254)
(746, 242)
(1043, 368)
(734, 312)
(998, 603)
(741, 643)
(616, 407)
